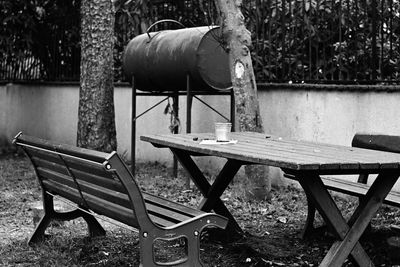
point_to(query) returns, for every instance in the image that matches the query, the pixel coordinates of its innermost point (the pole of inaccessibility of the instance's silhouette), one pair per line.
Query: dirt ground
(272, 228)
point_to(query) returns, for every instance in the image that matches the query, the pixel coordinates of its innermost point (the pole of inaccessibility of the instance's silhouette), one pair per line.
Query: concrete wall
(324, 114)
(51, 112)
(46, 111)
(329, 114)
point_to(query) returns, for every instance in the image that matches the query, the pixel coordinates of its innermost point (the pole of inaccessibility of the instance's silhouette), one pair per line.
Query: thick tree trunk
(96, 122)
(238, 40)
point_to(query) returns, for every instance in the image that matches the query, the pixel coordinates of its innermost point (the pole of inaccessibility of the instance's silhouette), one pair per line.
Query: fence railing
(39, 40)
(319, 41)
(326, 40)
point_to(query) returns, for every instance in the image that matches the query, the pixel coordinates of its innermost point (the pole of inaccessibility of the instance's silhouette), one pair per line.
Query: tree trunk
(237, 40)
(96, 122)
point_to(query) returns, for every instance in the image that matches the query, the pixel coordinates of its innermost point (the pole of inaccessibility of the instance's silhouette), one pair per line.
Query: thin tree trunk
(238, 40)
(96, 122)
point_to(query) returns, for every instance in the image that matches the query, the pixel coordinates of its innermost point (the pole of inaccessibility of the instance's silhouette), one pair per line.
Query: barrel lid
(213, 61)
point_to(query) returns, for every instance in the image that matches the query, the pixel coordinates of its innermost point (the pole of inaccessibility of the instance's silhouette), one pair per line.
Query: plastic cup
(222, 131)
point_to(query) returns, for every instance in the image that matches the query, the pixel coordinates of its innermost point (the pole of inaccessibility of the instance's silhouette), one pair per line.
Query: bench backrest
(388, 143)
(97, 181)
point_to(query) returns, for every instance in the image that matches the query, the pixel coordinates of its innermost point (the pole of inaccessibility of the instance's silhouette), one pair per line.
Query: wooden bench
(101, 183)
(387, 143)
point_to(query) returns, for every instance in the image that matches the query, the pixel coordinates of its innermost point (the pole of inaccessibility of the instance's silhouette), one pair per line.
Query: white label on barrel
(239, 69)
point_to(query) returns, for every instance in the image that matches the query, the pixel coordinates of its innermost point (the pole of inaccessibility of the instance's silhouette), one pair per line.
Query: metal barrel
(161, 61)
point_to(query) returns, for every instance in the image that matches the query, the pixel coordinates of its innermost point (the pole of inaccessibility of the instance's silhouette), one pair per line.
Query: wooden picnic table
(307, 161)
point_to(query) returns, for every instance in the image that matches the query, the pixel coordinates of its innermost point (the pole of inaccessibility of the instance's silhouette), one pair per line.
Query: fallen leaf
(282, 219)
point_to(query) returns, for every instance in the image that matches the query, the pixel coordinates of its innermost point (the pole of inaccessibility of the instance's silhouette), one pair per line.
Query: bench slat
(393, 198)
(106, 194)
(49, 165)
(96, 204)
(51, 169)
(95, 168)
(101, 192)
(166, 214)
(163, 202)
(346, 187)
(108, 183)
(46, 174)
(160, 221)
(43, 156)
(100, 177)
(358, 189)
(87, 166)
(353, 189)
(62, 190)
(111, 210)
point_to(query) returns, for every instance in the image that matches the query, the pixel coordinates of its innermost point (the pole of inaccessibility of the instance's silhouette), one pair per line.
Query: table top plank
(316, 153)
(281, 152)
(237, 152)
(364, 157)
(262, 150)
(333, 151)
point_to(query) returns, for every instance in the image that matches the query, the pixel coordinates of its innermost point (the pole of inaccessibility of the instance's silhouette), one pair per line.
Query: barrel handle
(162, 21)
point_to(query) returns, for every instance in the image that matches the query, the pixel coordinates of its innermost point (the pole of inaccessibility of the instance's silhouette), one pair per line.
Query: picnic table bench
(101, 183)
(359, 188)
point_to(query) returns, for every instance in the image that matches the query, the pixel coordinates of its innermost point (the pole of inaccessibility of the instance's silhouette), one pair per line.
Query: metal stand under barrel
(175, 96)
(172, 63)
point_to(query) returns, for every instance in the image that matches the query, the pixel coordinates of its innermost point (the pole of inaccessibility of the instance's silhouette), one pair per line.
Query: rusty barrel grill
(162, 61)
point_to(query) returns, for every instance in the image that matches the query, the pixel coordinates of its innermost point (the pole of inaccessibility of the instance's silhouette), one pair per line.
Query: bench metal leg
(189, 230)
(193, 246)
(38, 235)
(48, 216)
(146, 250)
(147, 257)
(94, 227)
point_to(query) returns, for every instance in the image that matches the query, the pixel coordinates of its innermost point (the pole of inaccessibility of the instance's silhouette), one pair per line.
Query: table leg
(362, 216)
(211, 193)
(314, 187)
(221, 182)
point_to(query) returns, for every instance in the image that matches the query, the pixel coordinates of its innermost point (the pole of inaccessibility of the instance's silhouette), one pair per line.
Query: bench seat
(358, 189)
(351, 188)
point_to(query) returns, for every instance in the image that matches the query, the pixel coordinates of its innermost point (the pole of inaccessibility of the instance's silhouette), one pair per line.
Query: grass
(272, 227)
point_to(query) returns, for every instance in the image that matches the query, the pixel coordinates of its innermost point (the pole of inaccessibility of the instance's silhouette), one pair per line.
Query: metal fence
(326, 40)
(39, 40)
(318, 41)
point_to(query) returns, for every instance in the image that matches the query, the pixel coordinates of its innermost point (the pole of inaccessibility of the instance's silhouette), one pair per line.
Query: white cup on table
(222, 131)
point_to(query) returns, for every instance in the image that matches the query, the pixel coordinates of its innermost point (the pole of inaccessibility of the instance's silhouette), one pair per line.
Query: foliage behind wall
(293, 40)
